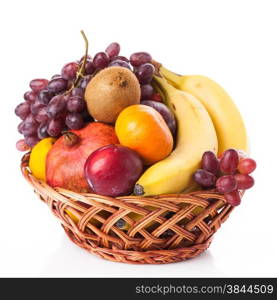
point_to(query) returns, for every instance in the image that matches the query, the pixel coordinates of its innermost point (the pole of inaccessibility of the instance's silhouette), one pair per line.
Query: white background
(233, 42)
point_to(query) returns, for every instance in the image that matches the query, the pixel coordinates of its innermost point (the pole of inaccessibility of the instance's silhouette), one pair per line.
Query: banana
(228, 123)
(196, 134)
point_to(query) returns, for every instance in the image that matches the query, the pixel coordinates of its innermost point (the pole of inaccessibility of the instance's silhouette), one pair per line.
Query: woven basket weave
(170, 232)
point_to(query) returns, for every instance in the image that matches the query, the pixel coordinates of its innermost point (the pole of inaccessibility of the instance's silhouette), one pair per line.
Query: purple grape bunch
(225, 174)
(56, 105)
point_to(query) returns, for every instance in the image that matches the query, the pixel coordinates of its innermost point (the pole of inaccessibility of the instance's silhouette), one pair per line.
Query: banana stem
(173, 78)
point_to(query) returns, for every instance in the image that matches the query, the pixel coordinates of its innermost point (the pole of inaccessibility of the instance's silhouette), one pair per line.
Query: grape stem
(80, 72)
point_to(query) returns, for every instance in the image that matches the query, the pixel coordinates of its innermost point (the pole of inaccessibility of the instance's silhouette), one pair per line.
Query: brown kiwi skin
(110, 91)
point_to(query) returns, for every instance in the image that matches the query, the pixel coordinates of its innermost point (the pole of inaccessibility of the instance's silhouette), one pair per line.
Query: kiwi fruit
(110, 91)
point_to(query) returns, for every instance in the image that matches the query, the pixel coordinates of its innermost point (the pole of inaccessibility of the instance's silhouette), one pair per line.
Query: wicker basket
(170, 232)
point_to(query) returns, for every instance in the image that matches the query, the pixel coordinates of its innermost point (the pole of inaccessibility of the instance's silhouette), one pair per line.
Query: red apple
(113, 170)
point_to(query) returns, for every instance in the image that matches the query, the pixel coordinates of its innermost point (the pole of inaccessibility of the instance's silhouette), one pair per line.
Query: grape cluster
(228, 175)
(51, 107)
(56, 105)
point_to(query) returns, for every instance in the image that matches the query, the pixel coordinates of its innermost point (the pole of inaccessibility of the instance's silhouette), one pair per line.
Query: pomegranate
(66, 159)
(113, 170)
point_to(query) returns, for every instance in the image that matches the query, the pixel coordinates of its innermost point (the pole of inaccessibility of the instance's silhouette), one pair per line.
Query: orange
(144, 130)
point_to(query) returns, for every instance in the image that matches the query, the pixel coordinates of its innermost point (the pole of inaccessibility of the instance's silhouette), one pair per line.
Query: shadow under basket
(135, 229)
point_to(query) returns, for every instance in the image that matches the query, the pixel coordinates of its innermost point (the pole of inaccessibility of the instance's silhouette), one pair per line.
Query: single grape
(75, 104)
(156, 97)
(244, 181)
(226, 184)
(22, 110)
(38, 85)
(42, 131)
(229, 161)
(30, 96)
(30, 126)
(77, 92)
(30, 119)
(29, 129)
(204, 178)
(89, 67)
(45, 96)
(74, 121)
(36, 107)
(113, 49)
(57, 85)
(233, 198)
(84, 82)
(146, 91)
(22, 146)
(55, 127)
(69, 70)
(101, 60)
(247, 165)
(119, 63)
(20, 127)
(120, 58)
(140, 58)
(42, 115)
(145, 73)
(32, 140)
(56, 106)
(210, 162)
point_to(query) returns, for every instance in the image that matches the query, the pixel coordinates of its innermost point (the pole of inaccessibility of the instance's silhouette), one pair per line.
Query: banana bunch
(228, 123)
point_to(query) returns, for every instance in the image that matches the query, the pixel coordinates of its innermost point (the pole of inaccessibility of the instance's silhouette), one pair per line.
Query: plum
(113, 170)
(165, 112)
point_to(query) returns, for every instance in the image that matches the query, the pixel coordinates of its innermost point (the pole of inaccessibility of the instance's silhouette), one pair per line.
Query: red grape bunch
(229, 174)
(56, 105)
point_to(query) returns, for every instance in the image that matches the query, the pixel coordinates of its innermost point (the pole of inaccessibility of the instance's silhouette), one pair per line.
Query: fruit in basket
(227, 120)
(229, 162)
(195, 135)
(66, 159)
(210, 162)
(22, 146)
(110, 91)
(113, 170)
(166, 113)
(147, 91)
(233, 198)
(79, 162)
(144, 130)
(246, 165)
(204, 178)
(37, 162)
(226, 184)
(244, 181)
(139, 58)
